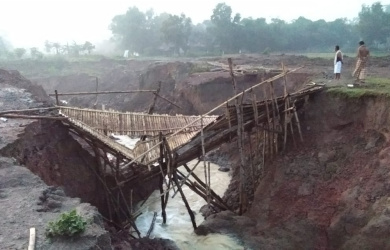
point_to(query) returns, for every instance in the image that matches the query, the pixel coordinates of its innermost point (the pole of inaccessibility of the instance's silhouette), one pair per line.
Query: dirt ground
(26, 201)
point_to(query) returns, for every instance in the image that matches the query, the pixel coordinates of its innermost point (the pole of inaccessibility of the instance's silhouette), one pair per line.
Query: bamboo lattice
(100, 124)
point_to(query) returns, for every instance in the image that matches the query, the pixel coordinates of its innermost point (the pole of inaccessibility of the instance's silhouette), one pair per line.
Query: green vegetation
(373, 87)
(69, 224)
(227, 32)
(199, 68)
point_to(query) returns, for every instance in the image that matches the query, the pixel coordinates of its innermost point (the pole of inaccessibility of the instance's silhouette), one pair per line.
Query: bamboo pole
(239, 137)
(151, 225)
(102, 92)
(298, 123)
(217, 197)
(165, 99)
(151, 108)
(34, 117)
(56, 95)
(192, 216)
(27, 110)
(97, 87)
(186, 177)
(286, 107)
(204, 160)
(31, 244)
(212, 110)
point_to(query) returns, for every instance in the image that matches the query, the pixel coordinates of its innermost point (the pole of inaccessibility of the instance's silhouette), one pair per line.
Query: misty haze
(194, 125)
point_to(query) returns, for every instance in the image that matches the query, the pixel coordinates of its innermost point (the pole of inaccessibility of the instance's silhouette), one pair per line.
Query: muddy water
(179, 227)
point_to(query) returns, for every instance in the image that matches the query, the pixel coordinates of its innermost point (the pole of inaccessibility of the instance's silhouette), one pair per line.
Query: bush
(69, 224)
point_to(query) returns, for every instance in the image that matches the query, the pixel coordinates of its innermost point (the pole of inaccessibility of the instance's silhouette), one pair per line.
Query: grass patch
(373, 87)
(68, 225)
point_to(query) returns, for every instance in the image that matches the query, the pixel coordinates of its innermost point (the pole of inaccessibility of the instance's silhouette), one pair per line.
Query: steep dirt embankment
(332, 191)
(26, 201)
(190, 85)
(49, 151)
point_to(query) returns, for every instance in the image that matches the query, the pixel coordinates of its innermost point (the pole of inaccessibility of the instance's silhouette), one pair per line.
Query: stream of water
(179, 227)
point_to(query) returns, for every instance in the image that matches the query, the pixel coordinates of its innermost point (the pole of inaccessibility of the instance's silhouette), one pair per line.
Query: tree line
(6, 52)
(150, 34)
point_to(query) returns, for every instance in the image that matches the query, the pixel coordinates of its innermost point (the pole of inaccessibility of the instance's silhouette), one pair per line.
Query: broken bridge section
(168, 142)
(101, 124)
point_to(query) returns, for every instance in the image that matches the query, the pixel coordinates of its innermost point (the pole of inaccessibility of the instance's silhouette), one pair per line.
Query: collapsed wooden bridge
(167, 142)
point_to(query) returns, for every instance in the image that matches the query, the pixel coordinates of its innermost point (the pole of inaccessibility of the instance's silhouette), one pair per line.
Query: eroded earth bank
(329, 192)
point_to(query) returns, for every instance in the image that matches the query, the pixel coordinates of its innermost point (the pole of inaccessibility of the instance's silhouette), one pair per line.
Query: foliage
(374, 87)
(19, 52)
(228, 32)
(225, 28)
(69, 224)
(35, 53)
(88, 46)
(374, 24)
(136, 30)
(176, 31)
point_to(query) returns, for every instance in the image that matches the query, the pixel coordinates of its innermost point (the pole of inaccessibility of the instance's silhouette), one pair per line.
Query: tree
(176, 31)
(88, 46)
(48, 46)
(374, 24)
(19, 52)
(130, 29)
(57, 46)
(35, 53)
(225, 27)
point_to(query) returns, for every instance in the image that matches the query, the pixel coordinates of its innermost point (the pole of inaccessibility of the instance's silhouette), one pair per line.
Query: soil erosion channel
(330, 192)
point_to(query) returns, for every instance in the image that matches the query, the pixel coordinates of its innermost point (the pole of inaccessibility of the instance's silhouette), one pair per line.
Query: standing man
(362, 56)
(338, 61)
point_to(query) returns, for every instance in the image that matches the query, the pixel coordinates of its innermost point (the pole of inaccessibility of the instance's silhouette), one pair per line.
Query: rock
(372, 141)
(53, 204)
(224, 169)
(325, 157)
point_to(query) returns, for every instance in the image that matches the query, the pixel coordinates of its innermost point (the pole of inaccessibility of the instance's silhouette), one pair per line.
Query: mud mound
(331, 192)
(15, 79)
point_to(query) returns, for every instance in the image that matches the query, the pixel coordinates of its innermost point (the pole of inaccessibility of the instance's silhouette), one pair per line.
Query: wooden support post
(204, 160)
(286, 107)
(57, 100)
(216, 196)
(97, 88)
(298, 123)
(229, 119)
(242, 193)
(175, 179)
(151, 225)
(186, 177)
(151, 108)
(276, 117)
(31, 244)
(163, 213)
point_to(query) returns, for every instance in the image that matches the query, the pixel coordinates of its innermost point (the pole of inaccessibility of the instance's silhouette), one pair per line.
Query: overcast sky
(27, 23)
